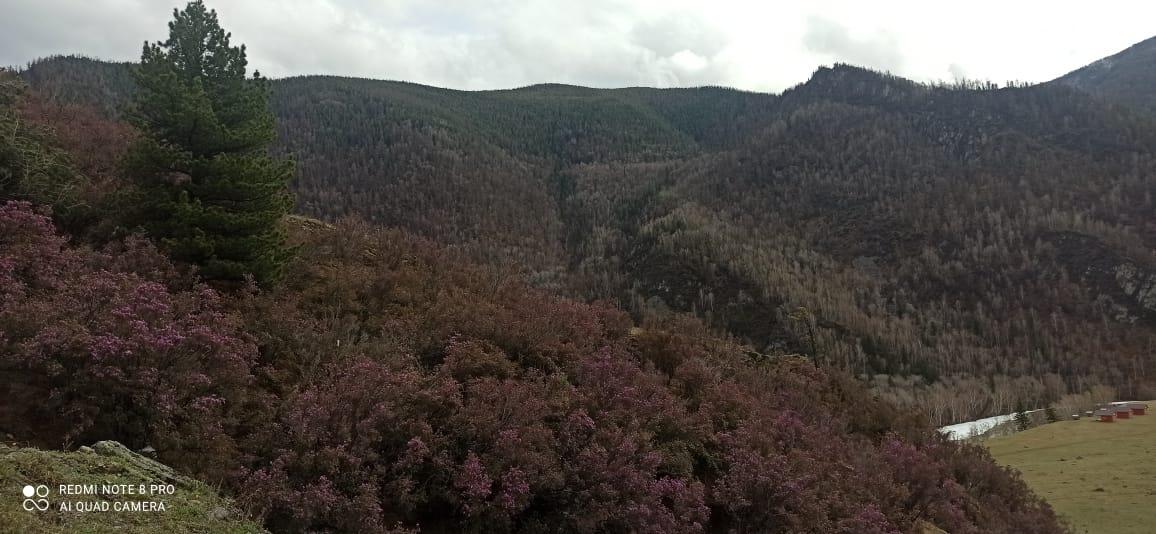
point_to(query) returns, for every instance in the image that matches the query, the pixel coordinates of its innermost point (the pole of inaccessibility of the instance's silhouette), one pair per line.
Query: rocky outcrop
(1138, 284)
(148, 468)
(1125, 285)
(183, 505)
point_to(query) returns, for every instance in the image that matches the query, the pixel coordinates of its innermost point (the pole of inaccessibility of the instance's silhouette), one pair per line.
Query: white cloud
(879, 50)
(479, 44)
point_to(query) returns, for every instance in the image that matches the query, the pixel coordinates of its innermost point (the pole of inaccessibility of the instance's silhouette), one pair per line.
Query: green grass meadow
(1101, 477)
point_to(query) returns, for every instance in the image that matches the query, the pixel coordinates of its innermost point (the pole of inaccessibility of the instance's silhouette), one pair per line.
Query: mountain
(1127, 77)
(962, 248)
(106, 86)
(389, 385)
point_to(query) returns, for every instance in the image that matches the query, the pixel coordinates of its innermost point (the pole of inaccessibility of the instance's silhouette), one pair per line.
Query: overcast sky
(763, 45)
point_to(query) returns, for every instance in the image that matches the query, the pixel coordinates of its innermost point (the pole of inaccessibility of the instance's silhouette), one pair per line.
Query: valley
(320, 303)
(964, 249)
(1099, 476)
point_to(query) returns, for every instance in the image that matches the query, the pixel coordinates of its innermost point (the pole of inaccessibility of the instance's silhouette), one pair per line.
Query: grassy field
(1100, 476)
(193, 507)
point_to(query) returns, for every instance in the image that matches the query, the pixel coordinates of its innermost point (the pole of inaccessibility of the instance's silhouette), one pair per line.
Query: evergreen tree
(210, 193)
(1023, 420)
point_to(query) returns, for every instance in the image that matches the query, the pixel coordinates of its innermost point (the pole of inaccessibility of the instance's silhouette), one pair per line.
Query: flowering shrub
(385, 442)
(457, 400)
(92, 350)
(389, 387)
(349, 443)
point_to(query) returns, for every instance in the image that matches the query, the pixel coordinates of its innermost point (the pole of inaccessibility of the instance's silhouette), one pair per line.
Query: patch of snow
(978, 427)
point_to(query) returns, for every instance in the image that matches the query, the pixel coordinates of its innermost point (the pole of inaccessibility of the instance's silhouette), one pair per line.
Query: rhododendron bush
(423, 393)
(93, 350)
(389, 386)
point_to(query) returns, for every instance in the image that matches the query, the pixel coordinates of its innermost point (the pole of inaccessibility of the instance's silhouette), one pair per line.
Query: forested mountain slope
(387, 384)
(106, 86)
(1128, 77)
(968, 248)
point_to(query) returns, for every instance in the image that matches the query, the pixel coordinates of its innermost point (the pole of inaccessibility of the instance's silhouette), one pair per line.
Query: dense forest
(387, 383)
(1126, 78)
(370, 306)
(966, 248)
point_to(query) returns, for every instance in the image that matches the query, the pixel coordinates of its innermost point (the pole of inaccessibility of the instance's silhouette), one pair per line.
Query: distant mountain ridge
(105, 85)
(1128, 77)
(972, 246)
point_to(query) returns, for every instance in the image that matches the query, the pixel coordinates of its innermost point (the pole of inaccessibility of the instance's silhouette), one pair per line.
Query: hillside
(389, 385)
(105, 86)
(1100, 476)
(191, 507)
(1126, 77)
(965, 248)
(329, 304)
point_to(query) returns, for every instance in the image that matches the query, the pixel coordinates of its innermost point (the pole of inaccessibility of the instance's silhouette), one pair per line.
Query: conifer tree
(1022, 418)
(209, 192)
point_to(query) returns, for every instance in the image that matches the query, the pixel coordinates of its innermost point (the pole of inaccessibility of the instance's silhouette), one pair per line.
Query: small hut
(1075, 417)
(1106, 415)
(1138, 408)
(1122, 411)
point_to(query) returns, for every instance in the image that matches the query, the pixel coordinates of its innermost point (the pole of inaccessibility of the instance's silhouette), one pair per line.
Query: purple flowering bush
(90, 349)
(419, 392)
(389, 386)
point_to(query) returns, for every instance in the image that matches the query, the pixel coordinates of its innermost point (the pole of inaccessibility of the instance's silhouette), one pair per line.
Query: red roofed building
(1122, 411)
(1138, 408)
(1106, 415)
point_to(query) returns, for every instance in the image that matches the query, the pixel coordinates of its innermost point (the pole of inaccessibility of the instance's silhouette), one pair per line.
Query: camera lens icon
(35, 498)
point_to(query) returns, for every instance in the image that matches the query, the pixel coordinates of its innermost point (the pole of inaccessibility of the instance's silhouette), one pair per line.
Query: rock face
(1137, 284)
(152, 469)
(192, 506)
(1127, 286)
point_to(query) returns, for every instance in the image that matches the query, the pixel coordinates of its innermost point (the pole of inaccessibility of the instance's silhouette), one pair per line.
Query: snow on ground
(969, 429)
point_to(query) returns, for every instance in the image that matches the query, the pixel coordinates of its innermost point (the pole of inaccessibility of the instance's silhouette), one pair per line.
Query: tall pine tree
(209, 192)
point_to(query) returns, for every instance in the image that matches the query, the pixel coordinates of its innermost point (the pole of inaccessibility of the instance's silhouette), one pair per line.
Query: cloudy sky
(764, 45)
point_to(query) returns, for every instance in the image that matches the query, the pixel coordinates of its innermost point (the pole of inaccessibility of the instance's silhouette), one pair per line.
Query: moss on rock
(192, 506)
